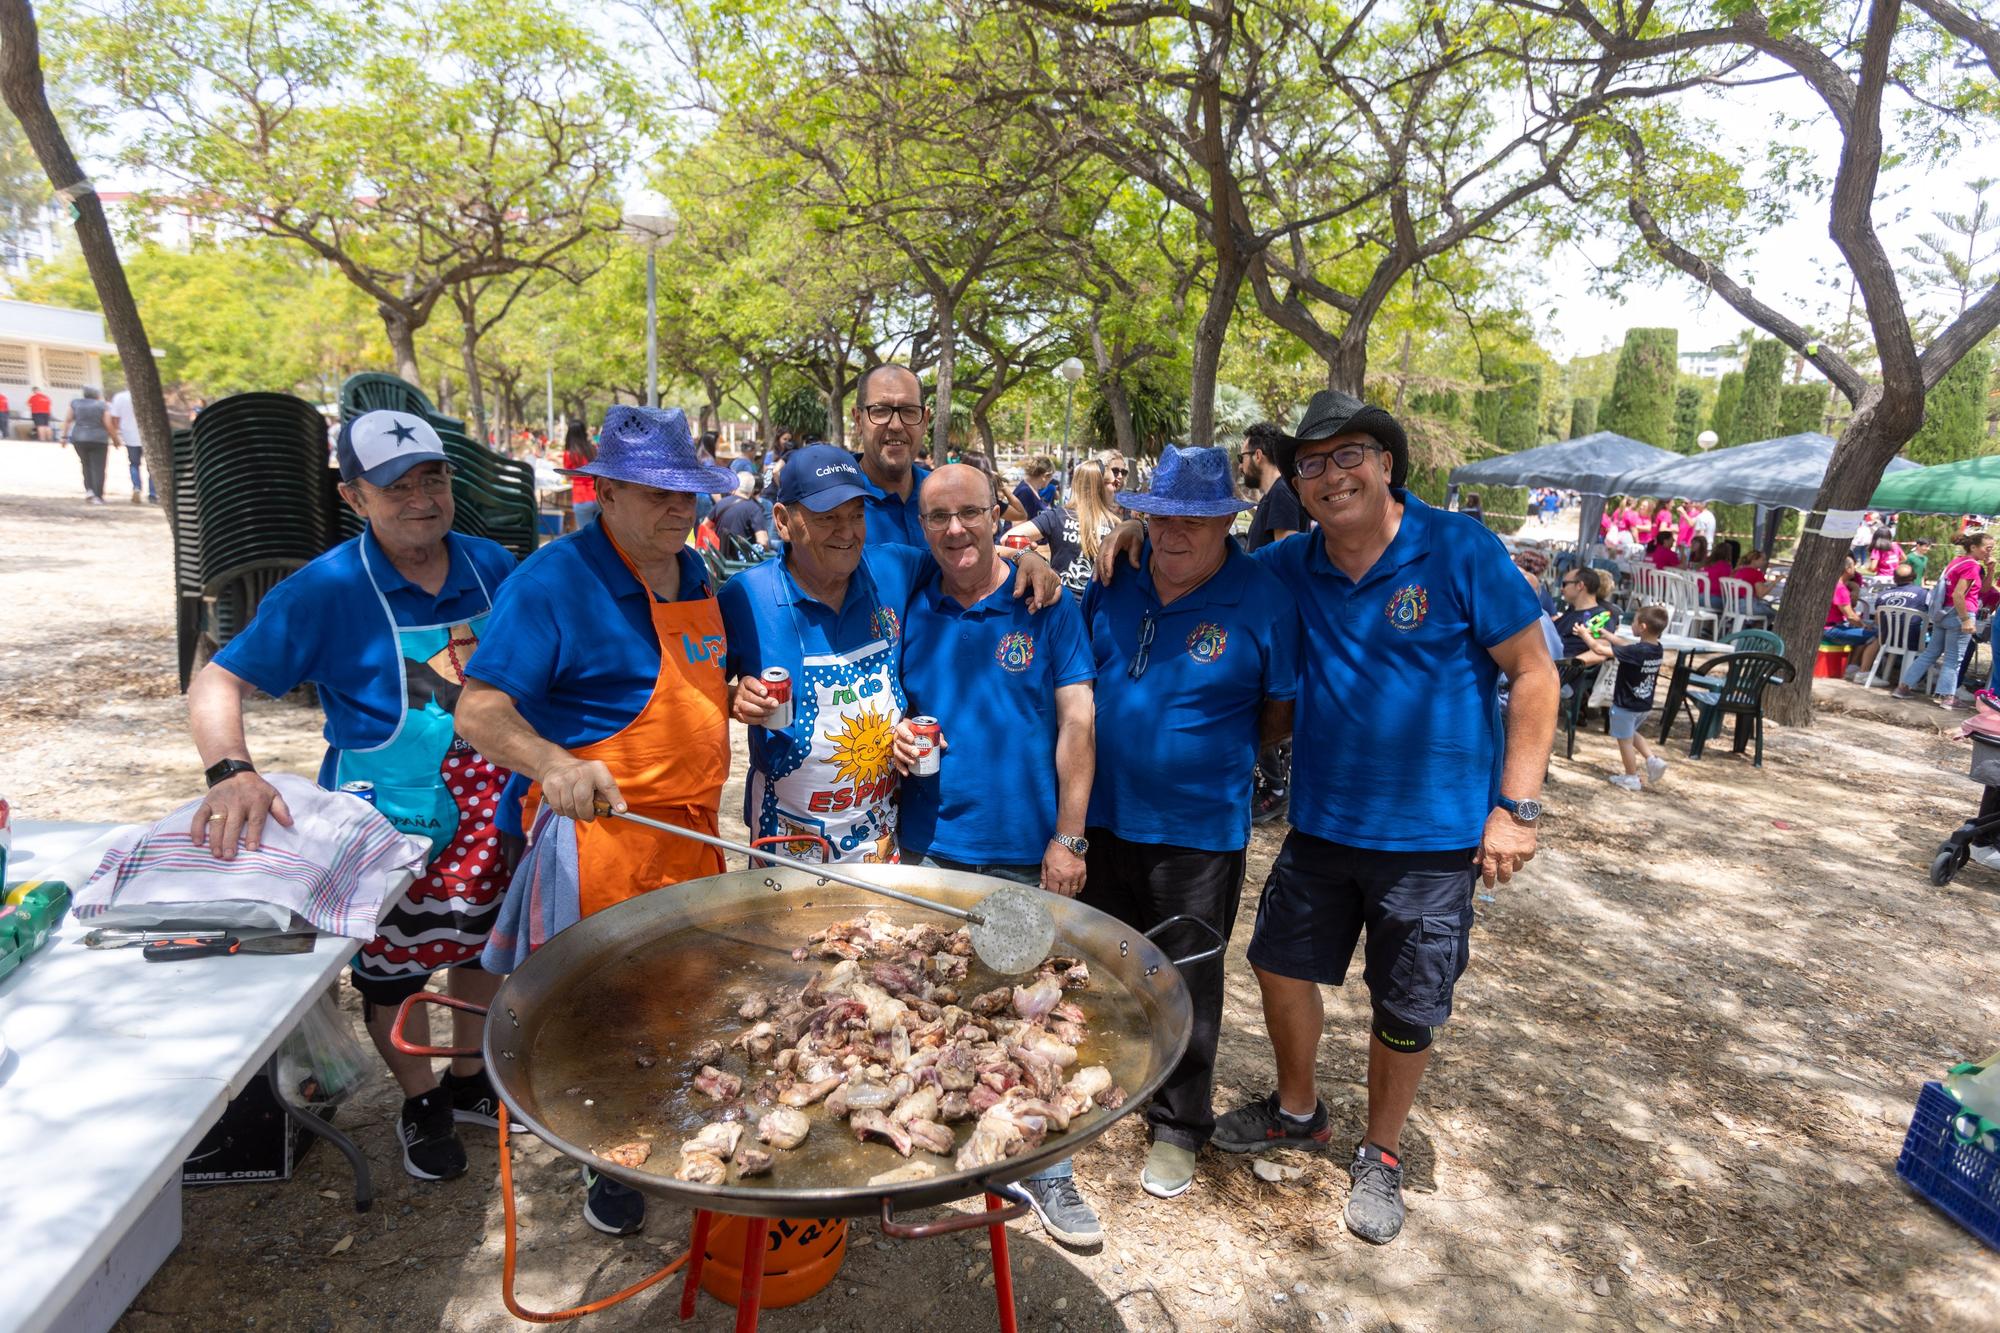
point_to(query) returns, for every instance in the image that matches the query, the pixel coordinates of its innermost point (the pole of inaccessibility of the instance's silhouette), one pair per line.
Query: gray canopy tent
(1590, 465)
(1773, 475)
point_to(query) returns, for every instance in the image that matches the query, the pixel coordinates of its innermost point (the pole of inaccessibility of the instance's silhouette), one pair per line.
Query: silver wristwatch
(1081, 846)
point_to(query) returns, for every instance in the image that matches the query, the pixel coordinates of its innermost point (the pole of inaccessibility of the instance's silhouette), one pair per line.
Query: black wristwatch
(229, 768)
(1527, 810)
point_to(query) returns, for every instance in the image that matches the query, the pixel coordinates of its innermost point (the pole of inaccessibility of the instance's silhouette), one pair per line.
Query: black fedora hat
(1331, 412)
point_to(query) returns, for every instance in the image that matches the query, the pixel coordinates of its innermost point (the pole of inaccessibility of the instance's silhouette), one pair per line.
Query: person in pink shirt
(1683, 525)
(1954, 616)
(1723, 566)
(1662, 552)
(1845, 625)
(1647, 522)
(1883, 555)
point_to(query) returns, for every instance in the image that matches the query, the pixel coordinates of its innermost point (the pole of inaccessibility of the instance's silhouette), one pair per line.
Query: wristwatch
(1081, 846)
(229, 768)
(1527, 810)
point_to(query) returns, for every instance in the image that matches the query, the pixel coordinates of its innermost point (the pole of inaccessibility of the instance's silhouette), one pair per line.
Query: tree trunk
(1873, 435)
(1120, 403)
(1208, 336)
(767, 430)
(26, 96)
(475, 393)
(402, 334)
(984, 427)
(1403, 382)
(946, 360)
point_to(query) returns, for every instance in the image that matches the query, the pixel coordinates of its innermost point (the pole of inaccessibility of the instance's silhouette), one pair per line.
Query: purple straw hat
(651, 446)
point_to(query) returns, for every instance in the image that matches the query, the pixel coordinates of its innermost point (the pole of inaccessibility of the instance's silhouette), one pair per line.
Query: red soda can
(778, 686)
(1018, 541)
(927, 734)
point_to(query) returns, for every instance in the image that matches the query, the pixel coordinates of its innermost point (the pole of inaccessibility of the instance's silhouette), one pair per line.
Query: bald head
(955, 486)
(958, 514)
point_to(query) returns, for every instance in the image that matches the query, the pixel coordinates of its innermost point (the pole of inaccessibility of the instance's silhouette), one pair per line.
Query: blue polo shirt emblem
(886, 624)
(1015, 651)
(1207, 642)
(1408, 607)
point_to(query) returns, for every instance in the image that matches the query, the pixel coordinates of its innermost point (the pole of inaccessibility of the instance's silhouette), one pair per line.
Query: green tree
(1641, 406)
(1728, 394)
(1954, 414)
(1582, 418)
(1687, 419)
(1801, 408)
(1757, 413)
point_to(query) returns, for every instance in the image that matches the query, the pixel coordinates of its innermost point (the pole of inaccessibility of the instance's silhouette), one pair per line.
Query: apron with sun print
(834, 777)
(431, 785)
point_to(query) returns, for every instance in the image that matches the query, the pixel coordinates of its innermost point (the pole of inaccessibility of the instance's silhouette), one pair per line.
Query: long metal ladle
(1012, 932)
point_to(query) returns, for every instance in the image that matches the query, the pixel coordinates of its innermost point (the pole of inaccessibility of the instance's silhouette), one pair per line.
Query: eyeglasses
(1114, 472)
(907, 413)
(937, 520)
(410, 488)
(1146, 628)
(1346, 457)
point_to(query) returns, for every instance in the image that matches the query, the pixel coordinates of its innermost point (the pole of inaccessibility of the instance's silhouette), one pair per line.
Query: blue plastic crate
(1961, 1178)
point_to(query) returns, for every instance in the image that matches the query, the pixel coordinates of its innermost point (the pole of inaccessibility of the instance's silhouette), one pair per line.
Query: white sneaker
(1656, 768)
(1629, 781)
(1986, 856)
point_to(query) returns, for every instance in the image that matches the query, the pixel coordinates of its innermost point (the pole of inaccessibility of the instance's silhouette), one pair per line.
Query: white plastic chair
(1896, 626)
(1739, 608)
(1699, 613)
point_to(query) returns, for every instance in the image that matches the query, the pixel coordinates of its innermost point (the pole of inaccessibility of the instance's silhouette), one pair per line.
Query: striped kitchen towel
(339, 867)
(544, 898)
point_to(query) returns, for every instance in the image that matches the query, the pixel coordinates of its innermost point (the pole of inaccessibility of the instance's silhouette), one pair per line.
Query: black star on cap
(402, 432)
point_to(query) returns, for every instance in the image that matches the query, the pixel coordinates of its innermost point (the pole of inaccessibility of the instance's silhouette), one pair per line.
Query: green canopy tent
(1970, 486)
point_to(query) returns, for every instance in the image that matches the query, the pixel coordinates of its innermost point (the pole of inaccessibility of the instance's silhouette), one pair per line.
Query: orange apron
(669, 762)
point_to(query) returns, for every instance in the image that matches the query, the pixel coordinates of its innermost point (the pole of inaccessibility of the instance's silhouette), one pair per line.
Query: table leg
(364, 1185)
(1003, 1269)
(751, 1299)
(697, 1247)
(1677, 686)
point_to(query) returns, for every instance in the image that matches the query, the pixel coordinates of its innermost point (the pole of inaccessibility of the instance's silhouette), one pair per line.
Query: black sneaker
(1261, 1126)
(1272, 804)
(1375, 1207)
(614, 1209)
(1064, 1214)
(431, 1150)
(473, 1101)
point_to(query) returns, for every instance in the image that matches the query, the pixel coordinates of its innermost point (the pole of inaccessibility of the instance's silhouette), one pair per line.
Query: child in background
(1632, 693)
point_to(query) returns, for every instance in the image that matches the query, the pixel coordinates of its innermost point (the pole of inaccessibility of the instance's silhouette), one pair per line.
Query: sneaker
(1988, 856)
(1656, 768)
(1900, 692)
(1169, 1171)
(1629, 781)
(473, 1101)
(1064, 1214)
(614, 1209)
(1272, 804)
(137, 498)
(1375, 1206)
(431, 1150)
(1261, 1126)
(1949, 703)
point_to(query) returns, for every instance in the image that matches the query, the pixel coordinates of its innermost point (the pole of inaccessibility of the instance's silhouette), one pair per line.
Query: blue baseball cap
(820, 477)
(379, 447)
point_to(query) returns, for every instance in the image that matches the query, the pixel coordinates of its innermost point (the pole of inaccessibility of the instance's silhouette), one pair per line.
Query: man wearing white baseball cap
(383, 625)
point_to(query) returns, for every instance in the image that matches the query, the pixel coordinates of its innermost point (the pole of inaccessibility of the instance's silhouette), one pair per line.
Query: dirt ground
(1672, 1096)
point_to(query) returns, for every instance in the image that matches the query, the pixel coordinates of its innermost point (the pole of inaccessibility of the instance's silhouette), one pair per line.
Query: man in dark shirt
(1278, 515)
(739, 521)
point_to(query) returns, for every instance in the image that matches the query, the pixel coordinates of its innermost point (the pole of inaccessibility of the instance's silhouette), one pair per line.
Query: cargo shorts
(1414, 908)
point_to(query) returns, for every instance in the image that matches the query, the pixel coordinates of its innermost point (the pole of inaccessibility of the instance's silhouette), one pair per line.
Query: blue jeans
(1030, 875)
(1943, 648)
(135, 456)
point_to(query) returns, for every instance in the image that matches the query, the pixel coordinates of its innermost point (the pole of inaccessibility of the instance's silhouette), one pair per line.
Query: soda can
(365, 790)
(778, 685)
(927, 733)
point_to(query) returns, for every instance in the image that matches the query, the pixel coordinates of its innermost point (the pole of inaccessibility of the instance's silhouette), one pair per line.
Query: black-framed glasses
(1146, 628)
(907, 413)
(937, 520)
(1346, 457)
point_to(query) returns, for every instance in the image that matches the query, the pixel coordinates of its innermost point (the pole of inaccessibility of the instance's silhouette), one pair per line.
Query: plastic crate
(1963, 1179)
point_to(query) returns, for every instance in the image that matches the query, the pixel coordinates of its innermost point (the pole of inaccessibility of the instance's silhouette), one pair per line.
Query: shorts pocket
(1433, 958)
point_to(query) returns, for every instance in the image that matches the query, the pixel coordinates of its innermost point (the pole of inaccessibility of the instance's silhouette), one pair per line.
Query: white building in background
(1712, 364)
(51, 348)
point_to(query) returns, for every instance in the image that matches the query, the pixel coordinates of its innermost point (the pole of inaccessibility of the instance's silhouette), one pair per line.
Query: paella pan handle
(1201, 957)
(780, 839)
(1018, 1206)
(404, 1010)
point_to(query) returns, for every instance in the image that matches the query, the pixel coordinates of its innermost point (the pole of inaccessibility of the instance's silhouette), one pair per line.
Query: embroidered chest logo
(1207, 642)
(1016, 651)
(886, 624)
(707, 648)
(1408, 607)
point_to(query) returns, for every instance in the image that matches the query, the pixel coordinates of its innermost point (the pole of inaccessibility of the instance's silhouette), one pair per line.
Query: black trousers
(91, 456)
(1143, 884)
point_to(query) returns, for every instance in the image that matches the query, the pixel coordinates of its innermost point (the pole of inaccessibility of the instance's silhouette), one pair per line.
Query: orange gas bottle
(801, 1255)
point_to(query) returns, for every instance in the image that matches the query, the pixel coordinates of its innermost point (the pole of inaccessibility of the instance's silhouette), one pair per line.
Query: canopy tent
(1588, 464)
(1970, 486)
(1784, 473)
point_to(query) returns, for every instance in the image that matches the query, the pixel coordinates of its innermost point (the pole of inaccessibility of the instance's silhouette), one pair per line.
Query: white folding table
(115, 1069)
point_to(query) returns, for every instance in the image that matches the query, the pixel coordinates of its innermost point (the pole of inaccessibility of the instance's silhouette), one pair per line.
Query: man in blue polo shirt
(383, 626)
(889, 419)
(1197, 662)
(1399, 791)
(1010, 687)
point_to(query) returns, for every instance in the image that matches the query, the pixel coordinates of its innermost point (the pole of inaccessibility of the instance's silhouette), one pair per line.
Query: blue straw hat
(651, 446)
(1188, 483)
